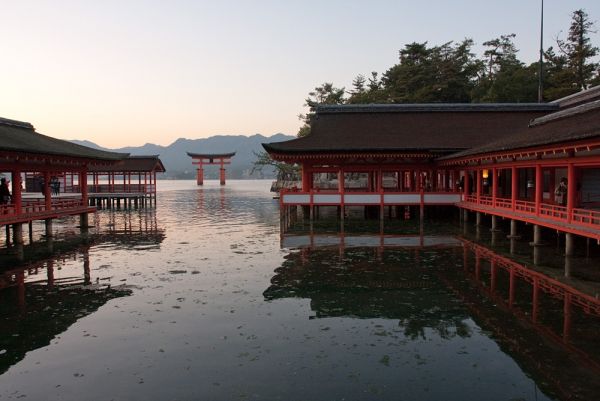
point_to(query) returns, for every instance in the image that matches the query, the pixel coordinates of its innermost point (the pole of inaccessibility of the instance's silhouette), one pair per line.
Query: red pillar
(47, 194)
(17, 198)
(84, 187)
(478, 185)
(571, 191)
(306, 178)
(494, 186)
(539, 187)
(466, 183)
(200, 174)
(222, 173)
(536, 299)
(514, 187)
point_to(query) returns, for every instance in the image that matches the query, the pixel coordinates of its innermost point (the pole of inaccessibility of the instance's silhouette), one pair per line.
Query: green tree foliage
(445, 73)
(579, 50)
(324, 94)
(505, 78)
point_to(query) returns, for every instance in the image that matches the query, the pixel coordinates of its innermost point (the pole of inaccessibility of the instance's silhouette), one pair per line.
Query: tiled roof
(444, 128)
(568, 125)
(133, 164)
(17, 136)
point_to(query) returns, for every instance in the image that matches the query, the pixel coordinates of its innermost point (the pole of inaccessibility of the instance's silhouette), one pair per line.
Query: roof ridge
(570, 112)
(434, 107)
(15, 123)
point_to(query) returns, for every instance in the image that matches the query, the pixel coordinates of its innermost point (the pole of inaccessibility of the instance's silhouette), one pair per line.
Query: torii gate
(202, 159)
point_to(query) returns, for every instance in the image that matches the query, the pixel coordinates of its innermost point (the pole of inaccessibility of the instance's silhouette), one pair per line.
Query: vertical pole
(222, 172)
(16, 192)
(200, 175)
(569, 244)
(84, 187)
(539, 187)
(494, 185)
(541, 71)
(514, 187)
(478, 185)
(571, 191)
(493, 274)
(47, 194)
(466, 183)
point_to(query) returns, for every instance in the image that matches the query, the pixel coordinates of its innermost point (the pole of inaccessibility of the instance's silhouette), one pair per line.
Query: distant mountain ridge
(179, 164)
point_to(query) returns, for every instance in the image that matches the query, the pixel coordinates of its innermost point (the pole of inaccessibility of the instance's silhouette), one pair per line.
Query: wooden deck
(584, 222)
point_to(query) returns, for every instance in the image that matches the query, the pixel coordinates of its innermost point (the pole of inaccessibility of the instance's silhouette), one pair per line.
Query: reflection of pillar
(567, 317)
(50, 272)
(537, 253)
(511, 288)
(478, 218)
(49, 232)
(493, 274)
(21, 290)
(477, 266)
(536, 299)
(86, 268)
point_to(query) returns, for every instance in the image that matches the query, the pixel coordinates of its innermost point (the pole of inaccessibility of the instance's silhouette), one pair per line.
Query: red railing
(555, 212)
(586, 217)
(34, 209)
(525, 206)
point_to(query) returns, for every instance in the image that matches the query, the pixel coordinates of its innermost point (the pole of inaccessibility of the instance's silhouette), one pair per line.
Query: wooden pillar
(514, 192)
(466, 183)
(494, 186)
(539, 188)
(222, 172)
(200, 176)
(47, 193)
(571, 191)
(511, 288)
(48, 223)
(84, 187)
(478, 184)
(17, 198)
(342, 191)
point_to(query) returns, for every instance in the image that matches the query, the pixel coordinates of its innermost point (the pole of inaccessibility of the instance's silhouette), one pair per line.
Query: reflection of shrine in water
(137, 228)
(548, 327)
(43, 299)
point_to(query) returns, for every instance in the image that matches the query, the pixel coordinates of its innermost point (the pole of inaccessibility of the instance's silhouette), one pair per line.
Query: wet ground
(202, 299)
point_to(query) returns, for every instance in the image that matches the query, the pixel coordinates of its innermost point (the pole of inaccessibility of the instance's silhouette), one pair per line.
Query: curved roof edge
(210, 155)
(435, 107)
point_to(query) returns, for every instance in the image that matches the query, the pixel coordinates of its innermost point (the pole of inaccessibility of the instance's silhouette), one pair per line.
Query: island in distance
(179, 165)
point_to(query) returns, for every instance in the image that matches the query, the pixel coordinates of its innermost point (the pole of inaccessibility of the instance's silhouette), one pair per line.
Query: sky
(126, 72)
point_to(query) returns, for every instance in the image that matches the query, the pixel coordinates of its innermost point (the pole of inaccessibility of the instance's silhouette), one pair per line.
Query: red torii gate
(202, 159)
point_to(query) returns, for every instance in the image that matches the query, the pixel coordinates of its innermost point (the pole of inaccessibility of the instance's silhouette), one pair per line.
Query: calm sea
(202, 299)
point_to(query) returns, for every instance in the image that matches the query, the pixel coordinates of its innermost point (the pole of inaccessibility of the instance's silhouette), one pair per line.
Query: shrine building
(503, 160)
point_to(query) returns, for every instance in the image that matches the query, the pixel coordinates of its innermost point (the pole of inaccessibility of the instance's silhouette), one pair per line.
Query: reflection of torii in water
(201, 159)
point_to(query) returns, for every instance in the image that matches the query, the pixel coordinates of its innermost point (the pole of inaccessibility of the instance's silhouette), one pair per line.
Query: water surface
(202, 299)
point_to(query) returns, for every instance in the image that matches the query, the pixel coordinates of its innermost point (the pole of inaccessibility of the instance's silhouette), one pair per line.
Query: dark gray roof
(434, 107)
(211, 155)
(439, 128)
(133, 164)
(17, 136)
(568, 125)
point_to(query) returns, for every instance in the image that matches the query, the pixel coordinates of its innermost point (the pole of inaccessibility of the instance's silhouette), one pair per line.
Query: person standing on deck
(560, 192)
(4, 192)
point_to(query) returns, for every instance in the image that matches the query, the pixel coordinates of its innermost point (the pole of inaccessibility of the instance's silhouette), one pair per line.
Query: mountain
(179, 164)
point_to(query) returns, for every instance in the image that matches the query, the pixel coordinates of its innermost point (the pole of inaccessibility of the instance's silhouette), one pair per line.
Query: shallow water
(201, 299)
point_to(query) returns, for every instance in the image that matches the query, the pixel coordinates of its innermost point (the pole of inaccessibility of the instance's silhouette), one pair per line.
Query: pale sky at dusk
(125, 72)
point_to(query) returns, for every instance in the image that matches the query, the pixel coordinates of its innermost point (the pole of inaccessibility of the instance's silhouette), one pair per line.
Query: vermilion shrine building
(505, 160)
(46, 176)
